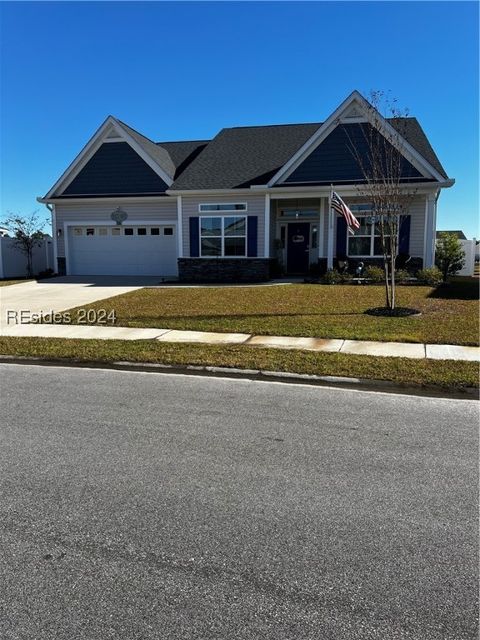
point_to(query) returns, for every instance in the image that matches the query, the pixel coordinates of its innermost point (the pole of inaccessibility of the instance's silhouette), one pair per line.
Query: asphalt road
(153, 506)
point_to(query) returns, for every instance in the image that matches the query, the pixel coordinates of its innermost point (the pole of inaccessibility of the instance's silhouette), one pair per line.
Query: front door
(298, 246)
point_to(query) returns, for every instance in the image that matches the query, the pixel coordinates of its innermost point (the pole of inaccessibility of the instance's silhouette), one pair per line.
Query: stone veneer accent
(223, 269)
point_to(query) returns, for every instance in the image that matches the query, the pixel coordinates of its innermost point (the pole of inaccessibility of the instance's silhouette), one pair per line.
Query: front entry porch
(298, 234)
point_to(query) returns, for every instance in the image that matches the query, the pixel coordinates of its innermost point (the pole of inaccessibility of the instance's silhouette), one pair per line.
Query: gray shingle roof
(242, 156)
(183, 153)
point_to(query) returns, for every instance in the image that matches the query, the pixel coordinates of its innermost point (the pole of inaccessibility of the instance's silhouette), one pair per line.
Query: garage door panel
(112, 254)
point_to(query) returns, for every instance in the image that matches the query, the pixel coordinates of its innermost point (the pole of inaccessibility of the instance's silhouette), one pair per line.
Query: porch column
(266, 245)
(330, 236)
(430, 230)
(179, 228)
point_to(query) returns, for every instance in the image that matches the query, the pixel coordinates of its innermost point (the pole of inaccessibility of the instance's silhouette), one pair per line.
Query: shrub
(374, 274)
(431, 276)
(449, 256)
(332, 276)
(402, 276)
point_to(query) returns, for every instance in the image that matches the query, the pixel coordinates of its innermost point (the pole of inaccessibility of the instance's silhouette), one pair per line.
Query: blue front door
(298, 247)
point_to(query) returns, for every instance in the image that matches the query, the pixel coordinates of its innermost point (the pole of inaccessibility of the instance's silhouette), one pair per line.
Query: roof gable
(355, 109)
(115, 169)
(333, 160)
(113, 131)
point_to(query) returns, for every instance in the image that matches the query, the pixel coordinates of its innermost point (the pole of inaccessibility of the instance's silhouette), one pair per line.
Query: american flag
(340, 207)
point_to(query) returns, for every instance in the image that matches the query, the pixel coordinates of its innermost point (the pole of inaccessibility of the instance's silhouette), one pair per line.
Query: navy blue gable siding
(115, 169)
(341, 237)
(404, 235)
(194, 222)
(252, 236)
(334, 160)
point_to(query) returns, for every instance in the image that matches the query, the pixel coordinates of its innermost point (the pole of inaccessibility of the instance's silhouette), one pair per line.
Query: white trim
(332, 122)
(330, 233)
(216, 204)
(266, 240)
(98, 199)
(105, 223)
(180, 227)
(222, 236)
(430, 215)
(103, 130)
(321, 231)
(98, 138)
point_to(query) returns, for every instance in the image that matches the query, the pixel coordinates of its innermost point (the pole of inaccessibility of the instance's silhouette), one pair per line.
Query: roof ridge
(182, 141)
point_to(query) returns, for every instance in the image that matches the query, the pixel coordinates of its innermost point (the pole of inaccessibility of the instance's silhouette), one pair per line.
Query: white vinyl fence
(13, 263)
(468, 247)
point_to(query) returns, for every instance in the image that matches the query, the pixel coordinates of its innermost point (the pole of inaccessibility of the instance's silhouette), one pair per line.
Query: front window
(367, 241)
(223, 236)
(222, 206)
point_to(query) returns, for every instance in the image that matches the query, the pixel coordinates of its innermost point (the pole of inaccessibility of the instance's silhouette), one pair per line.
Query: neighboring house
(457, 233)
(224, 209)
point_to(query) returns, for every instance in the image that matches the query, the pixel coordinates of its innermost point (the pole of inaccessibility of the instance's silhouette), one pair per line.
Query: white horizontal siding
(100, 213)
(417, 226)
(255, 207)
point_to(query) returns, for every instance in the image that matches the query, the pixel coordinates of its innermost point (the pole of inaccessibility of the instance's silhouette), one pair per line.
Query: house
(459, 235)
(233, 207)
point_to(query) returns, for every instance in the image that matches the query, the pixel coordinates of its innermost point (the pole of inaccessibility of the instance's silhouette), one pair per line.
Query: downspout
(435, 227)
(51, 208)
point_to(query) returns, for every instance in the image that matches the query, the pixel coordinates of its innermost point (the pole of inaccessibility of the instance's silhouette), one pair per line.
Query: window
(128, 231)
(154, 231)
(367, 240)
(90, 231)
(235, 206)
(299, 213)
(168, 231)
(141, 231)
(102, 231)
(78, 231)
(116, 231)
(314, 240)
(223, 236)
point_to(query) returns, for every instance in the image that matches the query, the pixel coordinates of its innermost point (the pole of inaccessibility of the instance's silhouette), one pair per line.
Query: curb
(361, 384)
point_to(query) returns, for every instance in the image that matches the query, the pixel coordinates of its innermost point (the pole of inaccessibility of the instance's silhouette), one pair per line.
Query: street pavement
(159, 506)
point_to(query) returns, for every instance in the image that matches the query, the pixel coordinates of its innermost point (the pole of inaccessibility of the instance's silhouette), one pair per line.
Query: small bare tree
(26, 233)
(378, 150)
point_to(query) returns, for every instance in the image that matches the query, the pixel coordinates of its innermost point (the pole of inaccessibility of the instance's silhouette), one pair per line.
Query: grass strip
(440, 373)
(449, 315)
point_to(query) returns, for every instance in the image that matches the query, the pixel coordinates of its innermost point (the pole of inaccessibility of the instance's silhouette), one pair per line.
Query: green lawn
(449, 314)
(438, 373)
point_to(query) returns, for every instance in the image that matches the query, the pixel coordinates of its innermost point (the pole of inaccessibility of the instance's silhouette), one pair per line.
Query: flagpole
(330, 231)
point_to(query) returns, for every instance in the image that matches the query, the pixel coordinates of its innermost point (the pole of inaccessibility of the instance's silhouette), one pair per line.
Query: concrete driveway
(59, 294)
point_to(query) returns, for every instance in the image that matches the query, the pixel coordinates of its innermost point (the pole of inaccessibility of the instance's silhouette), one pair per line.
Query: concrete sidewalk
(358, 347)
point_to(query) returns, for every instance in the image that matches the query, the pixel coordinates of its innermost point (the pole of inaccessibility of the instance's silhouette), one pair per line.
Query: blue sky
(185, 70)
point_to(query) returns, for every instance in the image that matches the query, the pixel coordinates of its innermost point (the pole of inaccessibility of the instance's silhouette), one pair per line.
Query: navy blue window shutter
(194, 237)
(252, 235)
(341, 237)
(404, 235)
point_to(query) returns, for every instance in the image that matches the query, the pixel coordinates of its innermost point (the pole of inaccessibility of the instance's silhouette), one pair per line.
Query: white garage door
(123, 250)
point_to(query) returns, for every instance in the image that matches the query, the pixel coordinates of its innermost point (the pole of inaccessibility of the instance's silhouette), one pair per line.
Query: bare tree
(27, 234)
(378, 150)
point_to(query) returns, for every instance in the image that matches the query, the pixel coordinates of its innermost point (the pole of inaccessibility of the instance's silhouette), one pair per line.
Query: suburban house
(251, 201)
